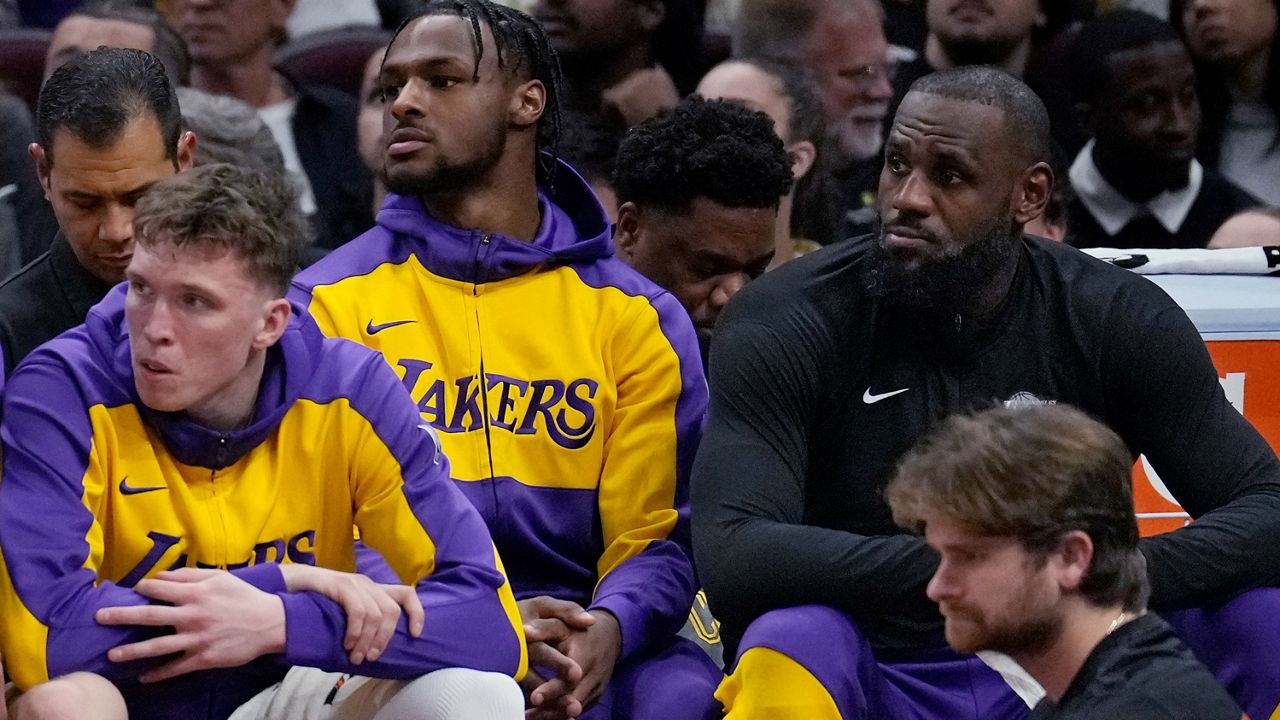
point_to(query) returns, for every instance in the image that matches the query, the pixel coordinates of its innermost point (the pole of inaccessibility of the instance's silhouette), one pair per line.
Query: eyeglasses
(868, 75)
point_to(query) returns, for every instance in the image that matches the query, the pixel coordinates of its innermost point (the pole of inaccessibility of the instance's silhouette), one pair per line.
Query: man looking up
(699, 189)
(108, 127)
(1137, 182)
(826, 370)
(566, 387)
(193, 458)
(1031, 511)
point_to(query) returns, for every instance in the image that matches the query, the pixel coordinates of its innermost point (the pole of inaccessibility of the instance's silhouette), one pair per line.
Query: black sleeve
(1170, 406)
(752, 549)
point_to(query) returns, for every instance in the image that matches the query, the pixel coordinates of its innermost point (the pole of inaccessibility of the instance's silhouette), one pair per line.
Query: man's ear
(1072, 559)
(528, 100)
(626, 232)
(186, 151)
(41, 160)
(803, 156)
(1033, 193)
(650, 14)
(275, 318)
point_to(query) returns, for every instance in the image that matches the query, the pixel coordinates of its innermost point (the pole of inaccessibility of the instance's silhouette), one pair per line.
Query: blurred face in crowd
(228, 32)
(369, 122)
(954, 195)
(583, 26)
(994, 594)
(982, 31)
(445, 123)
(78, 34)
(849, 58)
(1229, 31)
(93, 189)
(1147, 117)
(703, 255)
(1248, 229)
(197, 319)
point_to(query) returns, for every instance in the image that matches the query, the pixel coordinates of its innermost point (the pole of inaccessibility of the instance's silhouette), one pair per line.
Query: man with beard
(566, 388)
(1137, 182)
(842, 44)
(826, 370)
(1031, 512)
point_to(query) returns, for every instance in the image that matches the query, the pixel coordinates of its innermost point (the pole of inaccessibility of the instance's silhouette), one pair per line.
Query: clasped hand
(221, 621)
(577, 648)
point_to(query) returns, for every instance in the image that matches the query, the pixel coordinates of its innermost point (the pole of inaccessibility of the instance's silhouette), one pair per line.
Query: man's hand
(596, 651)
(373, 609)
(219, 621)
(548, 622)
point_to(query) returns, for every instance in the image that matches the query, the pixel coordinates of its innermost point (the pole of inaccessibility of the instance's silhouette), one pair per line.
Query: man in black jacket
(1031, 511)
(826, 370)
(108, 128)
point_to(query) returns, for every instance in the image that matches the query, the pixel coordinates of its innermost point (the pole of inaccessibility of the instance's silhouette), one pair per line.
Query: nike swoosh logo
(372, 329)
(870, 399)
(125, 489)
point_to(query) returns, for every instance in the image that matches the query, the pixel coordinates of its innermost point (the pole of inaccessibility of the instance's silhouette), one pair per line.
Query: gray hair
(228, 131)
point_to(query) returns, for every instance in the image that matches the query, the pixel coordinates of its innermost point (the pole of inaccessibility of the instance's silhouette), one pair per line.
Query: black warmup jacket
(1142, 671)
(817, 389)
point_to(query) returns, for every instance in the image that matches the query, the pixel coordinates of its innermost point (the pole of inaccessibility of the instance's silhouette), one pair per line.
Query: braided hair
(522, 47)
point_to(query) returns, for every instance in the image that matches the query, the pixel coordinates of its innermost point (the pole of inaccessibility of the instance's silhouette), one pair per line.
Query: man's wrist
(276, 639)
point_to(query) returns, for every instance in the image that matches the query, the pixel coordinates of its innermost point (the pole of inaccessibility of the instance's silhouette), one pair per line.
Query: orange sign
(1250, 374)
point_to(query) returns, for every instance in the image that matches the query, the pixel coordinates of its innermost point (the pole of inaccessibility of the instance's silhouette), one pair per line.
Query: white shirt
(278, 119)
(1113, 211)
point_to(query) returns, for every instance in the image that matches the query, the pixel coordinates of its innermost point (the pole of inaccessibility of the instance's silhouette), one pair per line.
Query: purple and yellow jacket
(566, 389)
(99, 492)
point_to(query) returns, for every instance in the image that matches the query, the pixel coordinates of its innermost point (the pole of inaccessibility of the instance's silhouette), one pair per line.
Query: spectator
(492, 262)
(1137, 182)
(231, 47)
(122, 24)
(700, 189)
(1237, 52)
(843, 44)
(624, 60)
(947, 308)
(229, 131)
(199, 373)
(108, 127)
(33, 224)
(369, 126)
(807, 217)
(1031, 512)
(1259, 227)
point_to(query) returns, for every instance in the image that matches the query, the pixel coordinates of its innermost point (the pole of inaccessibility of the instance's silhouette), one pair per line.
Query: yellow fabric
(604, 347)
(767, 685)
(285, 501)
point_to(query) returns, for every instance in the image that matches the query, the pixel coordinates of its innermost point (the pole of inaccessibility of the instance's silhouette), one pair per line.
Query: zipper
(482, 254)
(959, 323)
(217, 502)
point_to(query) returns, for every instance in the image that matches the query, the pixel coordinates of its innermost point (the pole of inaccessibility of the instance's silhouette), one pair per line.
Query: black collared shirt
(52, 294)
(1142, 671)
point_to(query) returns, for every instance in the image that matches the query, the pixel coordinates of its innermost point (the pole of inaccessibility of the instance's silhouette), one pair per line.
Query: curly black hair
(703, 148)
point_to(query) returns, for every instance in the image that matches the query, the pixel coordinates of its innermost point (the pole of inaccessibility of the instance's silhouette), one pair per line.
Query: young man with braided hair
(181, 478)
(565, 387)
(1031, 512)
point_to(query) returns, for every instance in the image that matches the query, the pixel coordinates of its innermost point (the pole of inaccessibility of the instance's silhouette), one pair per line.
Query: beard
(445, 175)
(949, 280)
(1031, 635)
